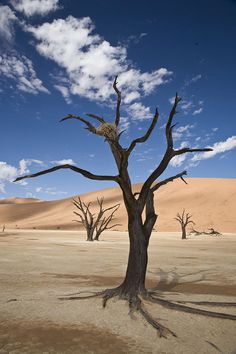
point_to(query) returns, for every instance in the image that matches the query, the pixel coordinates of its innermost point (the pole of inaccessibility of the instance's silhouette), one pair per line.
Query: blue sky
(59, 57)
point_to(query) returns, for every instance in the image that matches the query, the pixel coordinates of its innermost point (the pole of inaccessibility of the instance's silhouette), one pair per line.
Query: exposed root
(108, 294)
(136, 305)
(188, 309)
(162, 330)
(94, 294)
(208, 303)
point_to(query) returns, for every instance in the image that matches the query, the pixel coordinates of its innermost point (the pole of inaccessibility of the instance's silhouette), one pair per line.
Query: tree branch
(170, 179)
(95, 116)
(169, 126)
(117, 120)
(85, 173)
(90, 127)
(185, 150)
(146, 135)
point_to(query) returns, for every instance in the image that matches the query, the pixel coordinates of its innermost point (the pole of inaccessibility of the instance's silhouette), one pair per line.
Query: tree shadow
(173, 281)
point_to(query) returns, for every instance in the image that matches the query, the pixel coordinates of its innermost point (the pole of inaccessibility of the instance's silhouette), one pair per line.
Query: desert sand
(211, 201)
(37, 268)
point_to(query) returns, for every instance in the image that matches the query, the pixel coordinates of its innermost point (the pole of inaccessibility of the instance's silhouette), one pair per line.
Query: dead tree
(132, 288)
(104, 223)
(195, 232)
(3, 228)
(86, 218)
(94, 223)
(184, 219)
(213, 232)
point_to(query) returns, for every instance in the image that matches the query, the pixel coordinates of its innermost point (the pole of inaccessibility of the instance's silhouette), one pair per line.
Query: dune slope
(211, 201)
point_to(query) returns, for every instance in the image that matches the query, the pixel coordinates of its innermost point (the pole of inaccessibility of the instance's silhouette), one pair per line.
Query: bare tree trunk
(184, 236)
(89, 235)
(134, 282)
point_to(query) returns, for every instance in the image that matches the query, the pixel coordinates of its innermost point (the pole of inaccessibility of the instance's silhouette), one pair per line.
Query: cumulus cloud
(7, 18)
(20, 69)
(139, 111)
(35, 7)
(218, 148)
(25, 163)
(7, 173)
(90, 62)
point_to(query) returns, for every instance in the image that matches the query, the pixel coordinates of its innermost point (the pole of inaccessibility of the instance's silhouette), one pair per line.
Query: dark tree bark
(184, 219)
(133, 286)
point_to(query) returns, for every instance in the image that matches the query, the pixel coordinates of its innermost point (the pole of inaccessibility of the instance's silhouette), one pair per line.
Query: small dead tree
(94, 223)
(214, 232)
(140, 225)
(3, 228)
(184, 219)
(105, 222)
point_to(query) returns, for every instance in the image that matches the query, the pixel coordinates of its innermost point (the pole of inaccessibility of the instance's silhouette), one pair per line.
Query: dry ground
(38, 267)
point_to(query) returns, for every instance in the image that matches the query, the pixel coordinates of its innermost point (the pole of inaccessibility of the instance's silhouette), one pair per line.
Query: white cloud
(35, 7)
(49, 190)
(183, 130)
(7, 18)
(91, 62)
(177, 160)
(2, 188)
(64, 162)
(124, 123)
(7, 172)
(198, 111)
(65, 93)
(138, 111)
(215, 129)
(218, 148)
(20, 69)
(196, 78)
(25, 163)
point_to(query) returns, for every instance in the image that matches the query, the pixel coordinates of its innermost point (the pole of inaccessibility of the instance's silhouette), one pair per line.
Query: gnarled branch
(170, 179)
(90, 127)
(85, 173)
(117, 119)
(95, 116)
(144, 138)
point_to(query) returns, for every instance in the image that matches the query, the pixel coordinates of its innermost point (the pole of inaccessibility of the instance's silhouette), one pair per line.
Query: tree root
(136, 305)
(209, 303)
(188, 309)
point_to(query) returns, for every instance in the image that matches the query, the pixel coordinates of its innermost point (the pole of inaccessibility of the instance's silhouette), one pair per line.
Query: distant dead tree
(94, 223)
(105, 222)
(184, 219)
(213, 232)
(140, 208)
(3, 228)
(195, 232)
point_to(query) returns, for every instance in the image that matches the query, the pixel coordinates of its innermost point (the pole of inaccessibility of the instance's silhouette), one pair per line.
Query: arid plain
(39, 267)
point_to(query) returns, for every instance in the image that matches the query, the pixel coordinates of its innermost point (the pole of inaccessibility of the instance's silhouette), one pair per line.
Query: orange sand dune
(211, 201)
